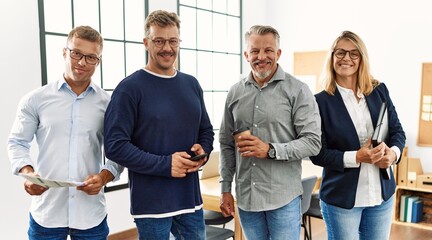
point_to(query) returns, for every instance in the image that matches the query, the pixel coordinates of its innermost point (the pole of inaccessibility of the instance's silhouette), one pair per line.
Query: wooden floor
(398, 232)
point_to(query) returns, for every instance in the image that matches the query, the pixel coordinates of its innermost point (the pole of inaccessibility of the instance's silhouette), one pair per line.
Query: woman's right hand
(367, 154)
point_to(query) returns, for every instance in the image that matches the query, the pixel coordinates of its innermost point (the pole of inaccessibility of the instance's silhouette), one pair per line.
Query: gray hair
(262, 30)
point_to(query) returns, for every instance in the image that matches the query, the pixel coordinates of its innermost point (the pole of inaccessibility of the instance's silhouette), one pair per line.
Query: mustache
(261, 61)
(166, 53)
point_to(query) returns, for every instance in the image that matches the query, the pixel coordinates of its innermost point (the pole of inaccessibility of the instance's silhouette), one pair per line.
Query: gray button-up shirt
(284, 113)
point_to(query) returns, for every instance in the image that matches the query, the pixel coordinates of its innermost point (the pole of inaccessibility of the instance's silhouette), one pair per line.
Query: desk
(210, 191)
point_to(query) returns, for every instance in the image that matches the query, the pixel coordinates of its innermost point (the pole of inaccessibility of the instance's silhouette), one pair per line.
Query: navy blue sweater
(148, 119)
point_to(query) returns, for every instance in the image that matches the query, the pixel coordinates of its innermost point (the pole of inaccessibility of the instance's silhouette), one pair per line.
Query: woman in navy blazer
(356, 199)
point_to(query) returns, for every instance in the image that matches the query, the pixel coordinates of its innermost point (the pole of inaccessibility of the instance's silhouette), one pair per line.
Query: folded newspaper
(49, 182)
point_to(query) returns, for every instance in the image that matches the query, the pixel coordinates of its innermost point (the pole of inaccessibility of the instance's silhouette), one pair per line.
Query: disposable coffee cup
(244, 131)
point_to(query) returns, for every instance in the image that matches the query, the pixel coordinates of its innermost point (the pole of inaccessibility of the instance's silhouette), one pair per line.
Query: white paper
(49, 182)
(427, 99)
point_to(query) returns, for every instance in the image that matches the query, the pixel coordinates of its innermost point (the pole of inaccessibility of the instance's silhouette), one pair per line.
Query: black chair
(217, 233)
(308, 186)
(215, 218)
(313, 211)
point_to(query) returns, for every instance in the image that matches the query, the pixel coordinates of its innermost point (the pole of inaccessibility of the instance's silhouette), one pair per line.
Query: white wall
(397, 35)
(20, 72)
(398, 40)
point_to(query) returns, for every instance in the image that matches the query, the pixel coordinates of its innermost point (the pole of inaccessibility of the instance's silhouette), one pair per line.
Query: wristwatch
(271, 154)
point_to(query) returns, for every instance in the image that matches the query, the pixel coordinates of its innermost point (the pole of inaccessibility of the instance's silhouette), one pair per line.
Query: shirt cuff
(225, 187)
(349, 159)
(398, 153)
(115, 168)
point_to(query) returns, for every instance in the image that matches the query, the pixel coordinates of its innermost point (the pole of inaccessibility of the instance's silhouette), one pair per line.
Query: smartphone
(198, 157)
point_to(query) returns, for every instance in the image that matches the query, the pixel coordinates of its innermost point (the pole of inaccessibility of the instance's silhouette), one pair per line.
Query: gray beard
(263, 75)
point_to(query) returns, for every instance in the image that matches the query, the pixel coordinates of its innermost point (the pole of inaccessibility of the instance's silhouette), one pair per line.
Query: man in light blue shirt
(282, 116)
(66, 117)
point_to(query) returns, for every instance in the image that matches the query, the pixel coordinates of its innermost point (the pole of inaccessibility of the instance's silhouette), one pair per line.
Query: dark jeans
(37, 232)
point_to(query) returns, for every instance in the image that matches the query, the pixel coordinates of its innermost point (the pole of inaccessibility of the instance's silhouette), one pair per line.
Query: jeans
(278, 224)
(364, 223)
(37, 232)
(187, 226)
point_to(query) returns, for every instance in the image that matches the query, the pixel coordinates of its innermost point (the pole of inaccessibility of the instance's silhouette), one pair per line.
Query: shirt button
(253, 184)
(253, 164)
(255, 125)
(256, 107)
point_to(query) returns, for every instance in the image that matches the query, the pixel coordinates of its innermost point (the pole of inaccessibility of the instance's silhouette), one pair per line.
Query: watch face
(272, 153)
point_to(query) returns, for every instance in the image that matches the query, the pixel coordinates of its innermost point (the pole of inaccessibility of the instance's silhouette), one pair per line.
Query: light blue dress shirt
(69, 135)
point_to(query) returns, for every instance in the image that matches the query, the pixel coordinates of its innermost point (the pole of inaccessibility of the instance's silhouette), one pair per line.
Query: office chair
(216, 218)
(217, 233)
(308, 186)
(313, 211)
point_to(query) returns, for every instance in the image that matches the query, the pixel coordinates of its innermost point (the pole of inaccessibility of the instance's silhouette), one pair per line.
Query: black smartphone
(198, 157)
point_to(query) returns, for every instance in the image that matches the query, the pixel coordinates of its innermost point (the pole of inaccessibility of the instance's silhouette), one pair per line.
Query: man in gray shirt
(283, 118)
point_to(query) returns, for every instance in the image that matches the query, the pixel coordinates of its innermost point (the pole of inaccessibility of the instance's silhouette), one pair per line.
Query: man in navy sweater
(155, 122)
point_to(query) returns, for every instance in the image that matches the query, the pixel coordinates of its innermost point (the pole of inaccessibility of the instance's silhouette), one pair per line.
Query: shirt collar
(278, 76)
(345, 92)
(160, 75)
(62, 83)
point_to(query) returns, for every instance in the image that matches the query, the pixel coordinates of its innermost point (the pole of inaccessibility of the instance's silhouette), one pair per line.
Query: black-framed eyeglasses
(90, 59)
(160, 42)
(341, 53)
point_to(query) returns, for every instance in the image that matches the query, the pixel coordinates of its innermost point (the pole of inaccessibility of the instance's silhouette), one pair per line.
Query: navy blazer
(339, 184)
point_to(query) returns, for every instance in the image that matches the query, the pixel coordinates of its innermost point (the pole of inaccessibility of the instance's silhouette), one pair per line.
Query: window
(211, 49)
(120, 22)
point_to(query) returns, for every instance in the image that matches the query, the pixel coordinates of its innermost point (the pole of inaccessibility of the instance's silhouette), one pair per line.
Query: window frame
(124, 42)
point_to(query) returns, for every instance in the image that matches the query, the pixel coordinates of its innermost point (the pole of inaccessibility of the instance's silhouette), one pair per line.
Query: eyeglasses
(90, 59)
(160, 42)
(341, 53)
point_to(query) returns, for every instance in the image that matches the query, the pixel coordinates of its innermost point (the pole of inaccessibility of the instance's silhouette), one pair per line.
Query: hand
(227, 204)
(181, 165)
(388, 159)
(198, 150)
(32, 188)
(92, 184)
(252, 146)
(370, 155)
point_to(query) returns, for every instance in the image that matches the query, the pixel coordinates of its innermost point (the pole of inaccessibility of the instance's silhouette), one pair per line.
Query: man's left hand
(94, 183)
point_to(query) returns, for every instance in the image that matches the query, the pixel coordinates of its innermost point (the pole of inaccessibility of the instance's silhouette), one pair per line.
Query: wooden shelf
(421, 192)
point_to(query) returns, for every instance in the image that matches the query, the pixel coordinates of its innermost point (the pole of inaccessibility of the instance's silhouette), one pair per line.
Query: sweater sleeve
(119, 126)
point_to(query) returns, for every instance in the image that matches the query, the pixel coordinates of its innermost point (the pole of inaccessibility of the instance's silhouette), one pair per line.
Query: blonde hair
(162, 19)
(86, 33)
(365, 82)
